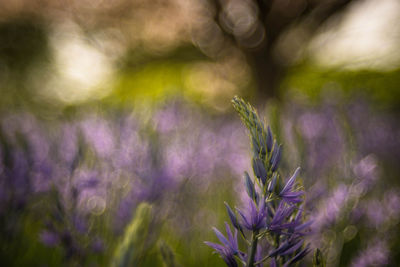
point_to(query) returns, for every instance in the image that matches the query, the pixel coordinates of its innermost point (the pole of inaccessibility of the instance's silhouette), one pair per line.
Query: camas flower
(255, 219)
(229, 248)
(271, 212)
(287, 194)
(279, 221)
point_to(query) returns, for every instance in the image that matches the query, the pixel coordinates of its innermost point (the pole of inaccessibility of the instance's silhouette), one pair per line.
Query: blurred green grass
(382, 88)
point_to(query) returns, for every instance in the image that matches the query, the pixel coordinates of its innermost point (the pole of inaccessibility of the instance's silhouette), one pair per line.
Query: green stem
(253, 248)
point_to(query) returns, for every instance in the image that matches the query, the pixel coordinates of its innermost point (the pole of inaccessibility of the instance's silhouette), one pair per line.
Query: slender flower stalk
(274, 213)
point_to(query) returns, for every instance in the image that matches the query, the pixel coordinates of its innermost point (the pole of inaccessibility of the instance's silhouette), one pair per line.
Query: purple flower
(290, 247)
(268, 212)
(98, 245)
(229, 247)
(278, 221)
(233, 218)
(287, 248)
(256, 217)
(49, 238)
(298, 256)
(287, 194)
(99, 135)
(377, 254)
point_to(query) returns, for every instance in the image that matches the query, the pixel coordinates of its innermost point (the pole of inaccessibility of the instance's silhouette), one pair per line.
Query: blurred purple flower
(377, 254)
(49, 238)
(98, 245)
(98, 133)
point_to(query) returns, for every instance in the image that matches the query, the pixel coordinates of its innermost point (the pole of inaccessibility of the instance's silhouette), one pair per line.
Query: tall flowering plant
(271, 224)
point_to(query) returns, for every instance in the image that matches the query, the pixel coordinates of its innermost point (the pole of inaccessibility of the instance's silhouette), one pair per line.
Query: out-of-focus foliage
(135, 241)
(380, 87)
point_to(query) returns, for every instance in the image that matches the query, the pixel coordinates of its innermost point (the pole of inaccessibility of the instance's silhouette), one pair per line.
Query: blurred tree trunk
(267, 72)
(276, 19)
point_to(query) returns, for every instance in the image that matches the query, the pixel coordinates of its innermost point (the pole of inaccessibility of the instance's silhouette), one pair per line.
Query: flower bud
(272, 183)
(249, 186)
(269, 139)
(233, 218)
(276, 157)
(259, 169)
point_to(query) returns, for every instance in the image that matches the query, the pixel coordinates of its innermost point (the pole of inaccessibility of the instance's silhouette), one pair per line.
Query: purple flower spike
(270, 214)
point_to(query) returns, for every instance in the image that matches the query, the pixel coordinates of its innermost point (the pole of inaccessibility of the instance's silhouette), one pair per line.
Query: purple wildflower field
(172, 133)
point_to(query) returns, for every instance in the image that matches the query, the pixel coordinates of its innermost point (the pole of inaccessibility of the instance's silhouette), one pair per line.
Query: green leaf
(318, 259)
(132, 246)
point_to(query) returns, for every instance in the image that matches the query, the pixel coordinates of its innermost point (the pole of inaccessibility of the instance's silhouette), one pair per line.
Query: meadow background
(116, 125)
